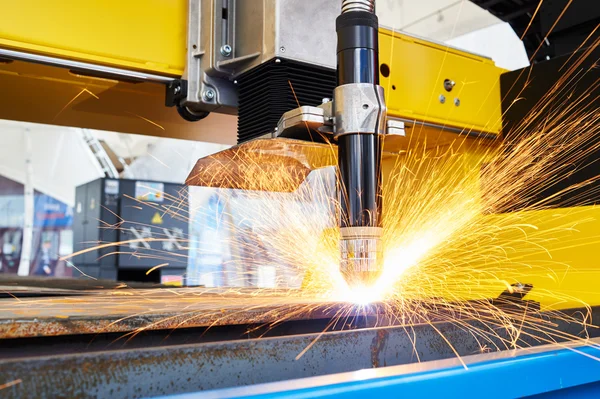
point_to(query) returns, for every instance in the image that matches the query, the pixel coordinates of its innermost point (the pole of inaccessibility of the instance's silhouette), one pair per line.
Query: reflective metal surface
(225, 39)
(358, 5)
(359, 108)
(95, 70)
(242, 166)
(361, 255)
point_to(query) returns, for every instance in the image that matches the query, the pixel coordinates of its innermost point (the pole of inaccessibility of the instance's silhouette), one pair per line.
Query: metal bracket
(359, 108)
(513, 298)
(208, 89)
(298, 122)
(395, 127)
(312, 117)
(176, 91)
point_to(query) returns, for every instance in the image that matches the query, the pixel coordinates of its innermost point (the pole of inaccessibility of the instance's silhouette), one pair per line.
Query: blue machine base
(554, 373)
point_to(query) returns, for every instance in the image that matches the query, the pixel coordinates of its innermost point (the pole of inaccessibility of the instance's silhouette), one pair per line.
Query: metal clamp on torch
(360, 120)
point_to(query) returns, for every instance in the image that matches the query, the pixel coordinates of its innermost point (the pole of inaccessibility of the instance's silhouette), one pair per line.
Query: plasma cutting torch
(360, 115)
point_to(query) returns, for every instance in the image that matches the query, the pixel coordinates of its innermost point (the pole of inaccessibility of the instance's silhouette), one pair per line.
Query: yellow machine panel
(150, 36)
(557, 253)
(142, 35)
(554, 250)
(413, 72)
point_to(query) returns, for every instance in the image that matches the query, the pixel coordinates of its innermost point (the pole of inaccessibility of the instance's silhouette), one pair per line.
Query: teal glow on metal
(570, 372)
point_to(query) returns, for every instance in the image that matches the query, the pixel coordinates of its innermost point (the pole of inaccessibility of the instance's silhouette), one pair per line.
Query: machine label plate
(149, 191)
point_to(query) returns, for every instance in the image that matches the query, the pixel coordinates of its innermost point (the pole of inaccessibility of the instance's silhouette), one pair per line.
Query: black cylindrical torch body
(357, 48)
(359, 158)
(359, 154)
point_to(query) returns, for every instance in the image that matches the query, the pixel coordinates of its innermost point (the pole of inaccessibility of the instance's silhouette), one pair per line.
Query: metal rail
(545, 372)
(166, 370)
(93, 69)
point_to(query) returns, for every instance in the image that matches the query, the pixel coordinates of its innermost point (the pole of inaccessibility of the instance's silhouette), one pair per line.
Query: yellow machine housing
(150, 37)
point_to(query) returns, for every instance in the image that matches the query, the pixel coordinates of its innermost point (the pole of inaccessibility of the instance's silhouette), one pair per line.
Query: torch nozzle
(361, 255)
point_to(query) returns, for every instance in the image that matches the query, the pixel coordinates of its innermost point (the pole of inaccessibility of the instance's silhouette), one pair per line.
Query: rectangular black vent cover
(265, 93)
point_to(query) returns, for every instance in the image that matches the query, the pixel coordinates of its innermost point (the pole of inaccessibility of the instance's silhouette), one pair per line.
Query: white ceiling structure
(458, 23)
(60, 159)
(438, 20)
